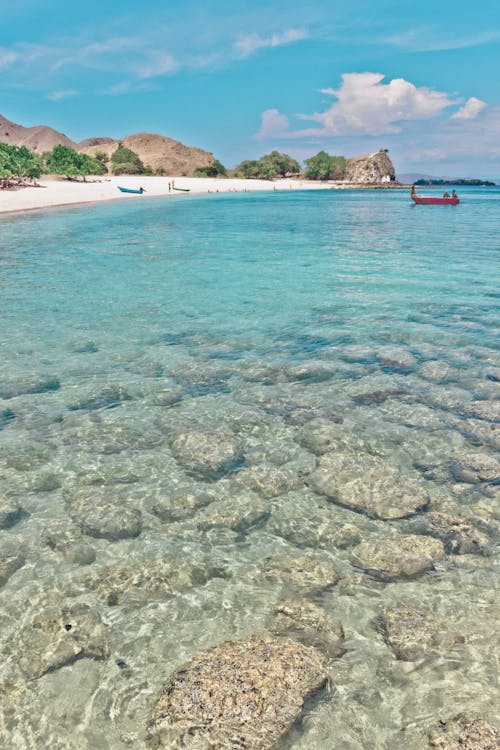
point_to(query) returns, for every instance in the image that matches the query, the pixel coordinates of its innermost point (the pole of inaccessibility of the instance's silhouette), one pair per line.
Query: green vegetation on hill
(215, 169)
(126, 161)
(19, 162)
(323, 166)
(268, 167)
(66, 161)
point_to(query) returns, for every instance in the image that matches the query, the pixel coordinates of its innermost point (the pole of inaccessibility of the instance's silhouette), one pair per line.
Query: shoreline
(60, 193)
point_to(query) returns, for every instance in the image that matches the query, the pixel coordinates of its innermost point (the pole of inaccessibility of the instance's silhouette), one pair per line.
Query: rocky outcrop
(372, 168)
(244, 694)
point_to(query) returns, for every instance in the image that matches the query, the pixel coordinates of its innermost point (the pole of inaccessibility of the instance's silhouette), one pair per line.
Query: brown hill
(93, 142)
(39, 138)
(157, 152)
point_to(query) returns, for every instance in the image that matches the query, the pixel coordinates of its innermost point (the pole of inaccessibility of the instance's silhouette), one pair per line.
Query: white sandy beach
(60, 192)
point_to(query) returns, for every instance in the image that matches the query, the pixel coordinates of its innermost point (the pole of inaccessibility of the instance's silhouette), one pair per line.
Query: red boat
(435, 201)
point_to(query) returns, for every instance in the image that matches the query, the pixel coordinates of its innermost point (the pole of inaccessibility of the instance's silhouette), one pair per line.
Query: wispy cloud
(425, 39)
(61, 94)
(470, 110)
(159, 64)
(247, 44)
(7, 57)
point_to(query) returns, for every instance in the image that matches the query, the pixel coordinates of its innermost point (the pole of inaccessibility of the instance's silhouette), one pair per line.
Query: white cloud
(367, 106)
(470, 110)
(246, 44)
(58, 96)
(159, 64)
(7, 57)
(273, 124)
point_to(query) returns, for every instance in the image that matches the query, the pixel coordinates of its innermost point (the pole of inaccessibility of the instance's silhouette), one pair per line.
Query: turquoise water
(251, 316)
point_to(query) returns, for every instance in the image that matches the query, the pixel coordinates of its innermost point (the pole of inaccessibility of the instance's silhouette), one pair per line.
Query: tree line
(20, 163)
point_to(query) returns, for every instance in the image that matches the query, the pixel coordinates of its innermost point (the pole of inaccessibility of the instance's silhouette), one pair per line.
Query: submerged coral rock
(106, 398)
(206, 455)
(59, 637)
(320, 436)
(488, 410)
(306, 572)
(10, 512)
(437, 371)
(476, 467)
(97, 516)
(268, 480)
(238, 514)
(184, 503)
(68, 542)
(149, 580)
(242, 694)
(29, 386)
(458, 535)
(313, 526)
(9, 563)
(307, 622)
(410, 632)
(370, 485)
(402, 557)
(464, 732)
(482, 431)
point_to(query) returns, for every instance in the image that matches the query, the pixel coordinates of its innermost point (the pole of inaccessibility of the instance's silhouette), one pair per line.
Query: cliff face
(157, 152)
(373, 168)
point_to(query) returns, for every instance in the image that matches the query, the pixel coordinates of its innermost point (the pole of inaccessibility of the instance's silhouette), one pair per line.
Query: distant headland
(461, 181)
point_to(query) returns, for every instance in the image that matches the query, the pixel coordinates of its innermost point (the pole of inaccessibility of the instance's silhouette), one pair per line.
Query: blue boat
(128, 190)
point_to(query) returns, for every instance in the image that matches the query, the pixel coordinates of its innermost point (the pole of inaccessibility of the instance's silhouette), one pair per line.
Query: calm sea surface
(172, 374)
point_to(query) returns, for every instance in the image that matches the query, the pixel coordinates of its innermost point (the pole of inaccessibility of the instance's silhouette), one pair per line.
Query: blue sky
(241, 78)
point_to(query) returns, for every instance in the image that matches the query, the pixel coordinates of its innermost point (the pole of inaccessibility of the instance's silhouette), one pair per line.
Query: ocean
(211, 405)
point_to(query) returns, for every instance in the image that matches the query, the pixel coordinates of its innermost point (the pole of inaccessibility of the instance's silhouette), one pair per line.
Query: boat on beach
(419, 200)
(140, 191)
(182, 190)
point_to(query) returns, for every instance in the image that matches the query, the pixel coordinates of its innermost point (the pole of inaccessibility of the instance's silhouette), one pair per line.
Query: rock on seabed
(369, 484)
(206, 455)
(465, 732)
(388, 559)
(242, 694)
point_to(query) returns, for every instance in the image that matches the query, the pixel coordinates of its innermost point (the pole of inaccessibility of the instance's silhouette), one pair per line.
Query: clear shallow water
(253, 313)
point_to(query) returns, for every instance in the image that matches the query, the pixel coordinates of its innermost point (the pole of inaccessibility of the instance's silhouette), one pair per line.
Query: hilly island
(153, 154)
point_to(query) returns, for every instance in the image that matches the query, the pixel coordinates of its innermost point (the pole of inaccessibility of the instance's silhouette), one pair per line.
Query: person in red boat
(413, 190)
(454, 194)
(446, 194)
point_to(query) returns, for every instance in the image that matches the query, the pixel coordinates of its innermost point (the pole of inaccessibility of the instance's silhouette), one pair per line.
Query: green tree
(269, 167)
(67, 161)
(323, 166)
(126, 161)
(18, 161)
(101, 157)
(215, 169)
